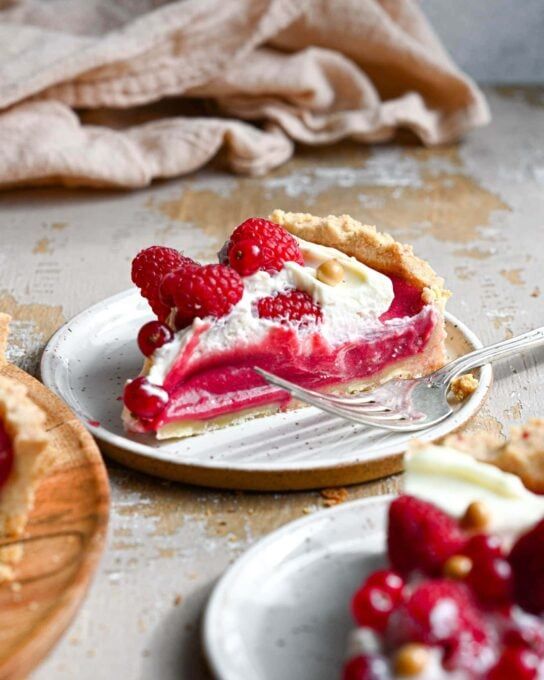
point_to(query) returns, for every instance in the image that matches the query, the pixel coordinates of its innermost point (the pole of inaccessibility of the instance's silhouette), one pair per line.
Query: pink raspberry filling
(225, 382)
(6, 455)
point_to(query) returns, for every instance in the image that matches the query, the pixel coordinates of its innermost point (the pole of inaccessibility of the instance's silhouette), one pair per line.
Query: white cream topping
(452, 479)
(347, 308)
(363, 291)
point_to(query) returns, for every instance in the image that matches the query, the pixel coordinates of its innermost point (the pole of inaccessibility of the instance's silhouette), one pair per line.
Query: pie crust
(375, 249)
(380, 252)
(522, 453)
(24, 423)
(463, 386)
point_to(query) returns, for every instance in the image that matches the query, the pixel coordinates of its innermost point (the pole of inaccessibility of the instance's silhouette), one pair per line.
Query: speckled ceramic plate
(282, 610)
(89, 359)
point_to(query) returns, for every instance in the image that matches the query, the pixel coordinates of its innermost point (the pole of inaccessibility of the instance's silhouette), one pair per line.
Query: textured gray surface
(476, 211)
(495, 41)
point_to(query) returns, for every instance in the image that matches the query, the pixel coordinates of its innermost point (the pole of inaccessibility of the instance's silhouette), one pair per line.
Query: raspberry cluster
(179, 290)
(170, 280)
(445, 585)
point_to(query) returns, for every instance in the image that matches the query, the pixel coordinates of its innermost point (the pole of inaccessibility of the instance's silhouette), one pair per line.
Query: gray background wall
(495, 41)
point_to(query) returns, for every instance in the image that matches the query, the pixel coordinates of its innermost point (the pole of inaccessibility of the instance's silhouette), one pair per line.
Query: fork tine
(365, 398)
(323, 402)
(329, 407)
(393, 420)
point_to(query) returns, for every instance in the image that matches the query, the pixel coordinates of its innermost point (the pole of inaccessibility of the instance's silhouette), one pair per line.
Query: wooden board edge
(51, 628)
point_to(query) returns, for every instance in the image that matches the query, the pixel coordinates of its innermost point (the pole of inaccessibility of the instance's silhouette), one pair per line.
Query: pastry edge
(521, 453)
(376, 249)
(25, 424)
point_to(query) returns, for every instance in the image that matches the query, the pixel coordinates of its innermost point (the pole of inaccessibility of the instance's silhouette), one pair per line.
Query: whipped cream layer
(452, 479)
(350, 307)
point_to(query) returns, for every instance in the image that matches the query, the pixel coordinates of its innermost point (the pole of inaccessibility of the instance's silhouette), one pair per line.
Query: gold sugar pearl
(330, 272)
(477, 516)
(457, 567)
(411, 659)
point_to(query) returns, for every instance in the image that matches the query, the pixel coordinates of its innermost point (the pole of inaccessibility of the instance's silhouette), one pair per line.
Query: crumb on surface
(463, 386)
(334, 496)
(178, 599)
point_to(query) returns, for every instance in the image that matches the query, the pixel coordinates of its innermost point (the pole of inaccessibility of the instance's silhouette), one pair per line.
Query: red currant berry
(371, 606)
(491, 580)
(482, 547)
(153, 335)
(389, 581)
(366, 667)
(515, 662)
(245, 257)
(144, 399)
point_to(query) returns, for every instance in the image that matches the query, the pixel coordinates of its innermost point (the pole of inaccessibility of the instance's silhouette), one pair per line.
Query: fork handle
(499, 350)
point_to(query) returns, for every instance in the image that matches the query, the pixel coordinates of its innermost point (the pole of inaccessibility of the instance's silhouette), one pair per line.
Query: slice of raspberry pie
(463, 594)
(328, 303)
(22, 442)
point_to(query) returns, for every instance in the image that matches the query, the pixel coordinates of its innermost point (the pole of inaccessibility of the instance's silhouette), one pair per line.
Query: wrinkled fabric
(271, 73)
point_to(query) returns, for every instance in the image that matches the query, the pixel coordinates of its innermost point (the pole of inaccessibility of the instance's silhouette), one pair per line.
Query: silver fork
(408, 404)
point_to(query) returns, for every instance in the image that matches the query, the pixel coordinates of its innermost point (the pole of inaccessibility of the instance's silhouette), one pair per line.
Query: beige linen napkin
(311, 71)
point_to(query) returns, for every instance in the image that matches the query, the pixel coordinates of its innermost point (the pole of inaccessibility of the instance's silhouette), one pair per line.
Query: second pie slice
(23, 443)
(328, 303)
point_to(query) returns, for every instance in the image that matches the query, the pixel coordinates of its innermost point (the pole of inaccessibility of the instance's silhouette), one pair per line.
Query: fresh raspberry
(296, 305)
(260, 244)
(173, 280)
(211, 290)
(366, 667)
(420, 536)
(527, 561)
(148, 268)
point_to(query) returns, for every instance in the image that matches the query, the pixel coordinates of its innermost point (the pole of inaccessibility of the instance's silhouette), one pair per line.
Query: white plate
(89, 359)
(282, 609)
